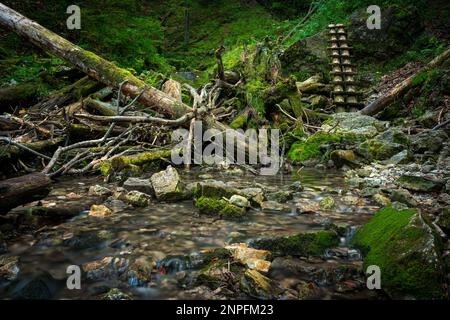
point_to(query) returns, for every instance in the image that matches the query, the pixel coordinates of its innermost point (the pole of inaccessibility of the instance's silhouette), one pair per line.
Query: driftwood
(379, 104)
(22, 190)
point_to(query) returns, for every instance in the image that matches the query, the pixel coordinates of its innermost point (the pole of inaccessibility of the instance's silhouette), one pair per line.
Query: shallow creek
(171, 229)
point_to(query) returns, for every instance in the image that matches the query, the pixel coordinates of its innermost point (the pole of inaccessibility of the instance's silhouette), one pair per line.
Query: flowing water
(170, 229)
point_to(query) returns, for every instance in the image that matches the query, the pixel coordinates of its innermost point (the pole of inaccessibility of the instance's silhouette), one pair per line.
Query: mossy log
(17, 95)
(9, 153)
(22, 190)
(400, 89)
(71, 93)
(91, 64)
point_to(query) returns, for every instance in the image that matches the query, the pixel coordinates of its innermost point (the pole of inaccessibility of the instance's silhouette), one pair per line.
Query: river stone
(258, 286)
(9, 268)
(99, 211)
(342, 158)
(420, 183)
(136, 184)
(139, 272)
(137, 198)
(106, 268)
(252, 258)
(407, 251)
(429, 141)
(116, 294)
(273, 206)
(100, 191)
(400, 158)
(280, 196)
(296, 186)
(384, 145)
(167, 185)
(239, 201)
(403, 196)
(115, 205)
(356, 124)
(381, 199)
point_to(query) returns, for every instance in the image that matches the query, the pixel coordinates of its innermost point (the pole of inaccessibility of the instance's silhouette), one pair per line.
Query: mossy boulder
(167, 185)
(408, 252)
(302, 244)
(221, 207)
(420, 183)
(354, 123)
(429, 141)
(384, 146)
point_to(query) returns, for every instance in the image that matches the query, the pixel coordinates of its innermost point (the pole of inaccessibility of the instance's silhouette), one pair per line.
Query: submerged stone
(302, 244)
(99, 190)
(137, 198)
(99, 211)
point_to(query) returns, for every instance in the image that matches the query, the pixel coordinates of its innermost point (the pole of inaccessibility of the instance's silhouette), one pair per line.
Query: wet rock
(307, 206)
(384, 145)
(221, 207)
(136, 184)
(137, 198)
(280, 196)
(381, 199)
(9, 268)
(40, 286)
(429, 141)
(99, 211)
(239, 201)
(342, 158)
(106, 268)
(255, 195)
(302, 244)
(400, 158)
(420, 183)
(296, 186)
(115, 205)
(273, 206)
(252, 258)
(443, 220)
(139, 272)
(116, 294)
(308, 291)
(258, 286)
(407, 251)
(219, 189)
(403, 196)
(327, 203)
(100, 191)
(358, 125)
(319, 272)
(167, 185)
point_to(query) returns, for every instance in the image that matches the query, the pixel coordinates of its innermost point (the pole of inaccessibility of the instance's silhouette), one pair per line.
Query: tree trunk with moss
(90, 63)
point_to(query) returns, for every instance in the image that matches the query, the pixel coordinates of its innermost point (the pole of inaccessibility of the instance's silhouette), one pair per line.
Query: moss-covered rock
(384, 146)
(167, 185)
(407, 251)
(302, 244)
(420, 183)
(221, 207)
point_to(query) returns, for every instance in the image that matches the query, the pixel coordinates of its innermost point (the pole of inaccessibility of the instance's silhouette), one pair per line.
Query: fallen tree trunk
(379, 104)
(91, 64)
(22, 190)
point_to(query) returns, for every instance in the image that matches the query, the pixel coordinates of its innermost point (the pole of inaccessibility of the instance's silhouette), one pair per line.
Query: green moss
(134, 163)
(239, 122)
(311, 147)
(303, 244)
(398, 241)
(219, 207)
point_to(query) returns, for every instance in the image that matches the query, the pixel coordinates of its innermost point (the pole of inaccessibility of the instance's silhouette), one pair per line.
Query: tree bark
(22, 190)
(379, 104)
(91, 64)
